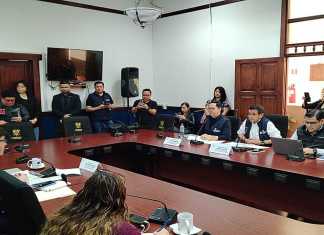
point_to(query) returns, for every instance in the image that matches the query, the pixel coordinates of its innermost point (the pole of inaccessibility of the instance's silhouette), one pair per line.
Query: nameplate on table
(223, 149)
(172, 141)
(88, 165)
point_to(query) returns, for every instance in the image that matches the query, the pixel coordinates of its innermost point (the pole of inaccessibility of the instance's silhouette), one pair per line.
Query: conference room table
(211, 213)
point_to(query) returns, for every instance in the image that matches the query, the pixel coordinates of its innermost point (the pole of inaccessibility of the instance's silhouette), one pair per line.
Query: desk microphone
(50, 171)
(160, 215)
(236, 148)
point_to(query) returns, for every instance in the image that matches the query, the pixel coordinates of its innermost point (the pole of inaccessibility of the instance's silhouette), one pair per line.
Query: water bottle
(182, 130)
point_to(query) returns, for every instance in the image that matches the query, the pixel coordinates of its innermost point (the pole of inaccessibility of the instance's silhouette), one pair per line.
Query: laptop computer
(288, 147)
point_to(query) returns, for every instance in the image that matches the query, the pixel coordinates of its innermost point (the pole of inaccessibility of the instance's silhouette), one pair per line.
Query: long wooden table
(213, 214)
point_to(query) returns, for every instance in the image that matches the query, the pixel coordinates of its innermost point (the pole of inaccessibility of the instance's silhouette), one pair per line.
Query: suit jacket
(63, 104)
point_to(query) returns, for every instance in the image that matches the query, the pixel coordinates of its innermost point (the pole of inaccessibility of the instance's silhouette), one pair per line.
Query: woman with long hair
(25, 98)
(221, 97)
(186, 118)
(98, 209)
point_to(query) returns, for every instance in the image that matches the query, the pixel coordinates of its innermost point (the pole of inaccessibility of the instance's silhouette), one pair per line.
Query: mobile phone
(136, 219)
(255, 150)
(307, 98)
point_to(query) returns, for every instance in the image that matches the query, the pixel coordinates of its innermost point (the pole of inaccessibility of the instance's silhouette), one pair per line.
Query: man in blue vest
(312, 133)
(216, 126)
(257, 129)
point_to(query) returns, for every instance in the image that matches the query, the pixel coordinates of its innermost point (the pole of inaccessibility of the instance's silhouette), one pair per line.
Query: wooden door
(20, 66)
(13, 71)
(260, 81)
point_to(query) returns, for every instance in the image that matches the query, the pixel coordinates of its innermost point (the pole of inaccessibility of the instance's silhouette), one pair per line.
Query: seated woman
(221, 97)
(99, 208)
(319, 104)
(186, 118)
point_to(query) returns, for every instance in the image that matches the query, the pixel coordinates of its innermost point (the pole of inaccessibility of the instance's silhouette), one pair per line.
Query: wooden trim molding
(116, 11)
(202, 7)
(284, 28)
(85, 6)
(307, 18)
(308, 49)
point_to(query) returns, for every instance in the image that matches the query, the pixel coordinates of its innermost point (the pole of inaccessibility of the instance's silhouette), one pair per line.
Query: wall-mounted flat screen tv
(74, 65)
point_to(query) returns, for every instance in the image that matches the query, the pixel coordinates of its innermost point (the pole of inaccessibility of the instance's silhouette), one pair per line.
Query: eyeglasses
(10, 100)
(311, 123)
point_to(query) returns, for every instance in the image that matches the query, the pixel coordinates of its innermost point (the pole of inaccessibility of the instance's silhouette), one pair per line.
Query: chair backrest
(165, 121)
(21, 212)
(235, 125)
(78, 125)
(17, 132)
(281, 122)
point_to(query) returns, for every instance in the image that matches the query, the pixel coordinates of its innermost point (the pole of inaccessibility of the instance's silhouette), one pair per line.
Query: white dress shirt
(254, 132)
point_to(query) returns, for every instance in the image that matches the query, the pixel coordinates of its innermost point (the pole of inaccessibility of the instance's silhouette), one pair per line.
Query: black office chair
(165, 122)
(75, 126)
(21, 212)
(17, 132)
(235, 125)
(281, 122)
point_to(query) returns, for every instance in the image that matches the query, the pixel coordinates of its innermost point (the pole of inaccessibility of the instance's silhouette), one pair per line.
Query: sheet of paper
(37, 180)
(58, 193)
(172, 141)
(243, 145)
(12, 171)
(196, 137)
(72, 171)
(88, 165)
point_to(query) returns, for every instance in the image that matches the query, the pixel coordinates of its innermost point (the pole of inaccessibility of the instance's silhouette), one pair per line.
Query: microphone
(160, 215)
(236, 148)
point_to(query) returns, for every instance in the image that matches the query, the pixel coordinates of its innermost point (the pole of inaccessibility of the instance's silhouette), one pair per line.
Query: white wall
(31, 26)
(184, 46)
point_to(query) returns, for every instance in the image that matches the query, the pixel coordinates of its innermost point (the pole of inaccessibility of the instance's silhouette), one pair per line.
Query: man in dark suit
(66, 104)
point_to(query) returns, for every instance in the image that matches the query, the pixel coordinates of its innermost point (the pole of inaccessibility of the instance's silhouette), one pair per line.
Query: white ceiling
(167, 5)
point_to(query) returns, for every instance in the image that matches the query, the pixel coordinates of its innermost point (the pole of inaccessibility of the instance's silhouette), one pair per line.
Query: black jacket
(63, 104)
(315, 105)
(219, 126)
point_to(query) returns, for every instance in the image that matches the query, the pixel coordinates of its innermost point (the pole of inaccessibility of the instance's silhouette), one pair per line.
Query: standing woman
(25, 98)
(186, 118)
(221, 97)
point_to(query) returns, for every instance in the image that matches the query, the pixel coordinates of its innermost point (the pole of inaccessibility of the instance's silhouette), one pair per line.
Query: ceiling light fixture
(143, 16)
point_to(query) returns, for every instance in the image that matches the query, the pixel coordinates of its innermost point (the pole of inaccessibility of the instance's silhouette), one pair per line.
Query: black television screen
(74, 64)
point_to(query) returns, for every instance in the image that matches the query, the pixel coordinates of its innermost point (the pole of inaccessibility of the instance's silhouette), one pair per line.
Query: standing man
(257, 129)
(145, 110)
(99, 104)
(10, 111)
(66, 104)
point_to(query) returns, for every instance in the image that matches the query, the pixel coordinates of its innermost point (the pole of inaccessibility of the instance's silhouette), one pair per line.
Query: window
(305, 50)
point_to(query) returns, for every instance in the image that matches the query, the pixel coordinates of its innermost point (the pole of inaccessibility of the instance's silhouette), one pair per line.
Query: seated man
(66, 104)
(3, 142)
(257, 129)
(216, 126)
(10, 111)
(311, 133)
(145, 110)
